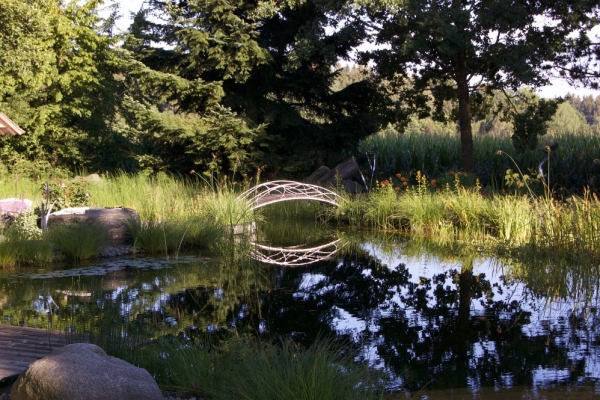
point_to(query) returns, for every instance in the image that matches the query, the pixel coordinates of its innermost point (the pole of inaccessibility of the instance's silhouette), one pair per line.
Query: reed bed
(472, 215)
(177, 214)
(182, 213)
(574, 165)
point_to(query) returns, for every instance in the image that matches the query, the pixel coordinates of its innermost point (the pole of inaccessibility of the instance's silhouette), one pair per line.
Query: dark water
(456, 325)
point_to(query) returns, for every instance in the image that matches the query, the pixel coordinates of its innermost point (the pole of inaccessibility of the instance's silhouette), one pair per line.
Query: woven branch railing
(276, 191)
(294, 256)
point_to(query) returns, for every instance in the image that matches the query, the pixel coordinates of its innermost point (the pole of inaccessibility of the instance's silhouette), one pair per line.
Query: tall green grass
(172, 236)
(78, 241)
(178, 213)
(251, 369)
(573, 165)
(471, 215)
(172, 198)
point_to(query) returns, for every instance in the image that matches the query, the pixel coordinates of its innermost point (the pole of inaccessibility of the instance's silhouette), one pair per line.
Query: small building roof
(8, 127)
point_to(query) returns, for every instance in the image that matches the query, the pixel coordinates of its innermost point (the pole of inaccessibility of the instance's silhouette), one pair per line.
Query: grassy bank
(176, 213)
(466, 213)
(187, 213)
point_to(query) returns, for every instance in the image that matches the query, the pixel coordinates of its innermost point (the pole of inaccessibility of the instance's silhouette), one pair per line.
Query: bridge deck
(272, 198)
(20, 346)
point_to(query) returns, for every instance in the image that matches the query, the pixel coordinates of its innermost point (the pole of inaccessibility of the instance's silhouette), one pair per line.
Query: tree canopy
(465, 49)
(239, 86)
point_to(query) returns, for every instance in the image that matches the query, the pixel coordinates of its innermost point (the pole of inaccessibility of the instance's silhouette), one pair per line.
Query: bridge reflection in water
(282, 190)
(294, 256)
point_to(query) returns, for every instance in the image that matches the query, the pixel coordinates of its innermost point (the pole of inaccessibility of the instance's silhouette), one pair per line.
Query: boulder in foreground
(84, 371)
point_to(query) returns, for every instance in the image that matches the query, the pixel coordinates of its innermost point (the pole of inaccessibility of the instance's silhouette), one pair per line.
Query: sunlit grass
(574, 163)
(252, 369)
(78, 241)
(469, 215)
(181, 213)
(170, 237)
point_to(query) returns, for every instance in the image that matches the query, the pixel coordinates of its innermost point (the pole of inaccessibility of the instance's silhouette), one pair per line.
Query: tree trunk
(464, 115)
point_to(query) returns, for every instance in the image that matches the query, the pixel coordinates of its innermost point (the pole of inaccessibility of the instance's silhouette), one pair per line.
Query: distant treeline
(254, 87)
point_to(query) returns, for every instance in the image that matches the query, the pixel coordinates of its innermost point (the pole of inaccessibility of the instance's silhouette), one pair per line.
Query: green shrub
(78, 241)
(25, 227)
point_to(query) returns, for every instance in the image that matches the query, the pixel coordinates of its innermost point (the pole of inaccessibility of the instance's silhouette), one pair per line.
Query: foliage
(588, 107)
(251, 369)
(65, 195)
(66, 117)
(275, 102)
(78, 241)
(26, 42)
(521, 184)
(573, 165)
(464, 50)
(531, 123)
(25, 227)
(568, 119)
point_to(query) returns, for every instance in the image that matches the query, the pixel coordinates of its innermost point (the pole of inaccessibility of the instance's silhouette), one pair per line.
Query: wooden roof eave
(8, 127)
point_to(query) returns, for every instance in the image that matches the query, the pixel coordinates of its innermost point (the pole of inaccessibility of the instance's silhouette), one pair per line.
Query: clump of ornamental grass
(77, 241)
(155, 197)
(514, 219)
(351, 209)
(252, 369)
(222, 203)
(8, 254)
(167, 237)
(202, 232)
(157, 237)
(470, 212)
(383, 211)
(422, 213)
(570, 226)
(33, 252)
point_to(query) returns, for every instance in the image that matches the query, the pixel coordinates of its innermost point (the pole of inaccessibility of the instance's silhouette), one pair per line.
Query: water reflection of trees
(147, 303)
(455, 328)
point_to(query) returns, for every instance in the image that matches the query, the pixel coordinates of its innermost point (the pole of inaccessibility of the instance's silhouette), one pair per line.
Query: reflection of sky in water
(547, 319)
(141, 294)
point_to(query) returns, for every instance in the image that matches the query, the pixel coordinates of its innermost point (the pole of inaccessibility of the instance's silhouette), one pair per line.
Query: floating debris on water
(110, 266)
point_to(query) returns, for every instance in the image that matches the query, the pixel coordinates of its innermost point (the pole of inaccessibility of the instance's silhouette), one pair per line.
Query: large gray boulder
(113, 220)
(84, 371)
(346, 174)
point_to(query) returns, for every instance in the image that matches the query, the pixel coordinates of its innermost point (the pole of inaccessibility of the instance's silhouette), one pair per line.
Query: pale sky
(559, 88)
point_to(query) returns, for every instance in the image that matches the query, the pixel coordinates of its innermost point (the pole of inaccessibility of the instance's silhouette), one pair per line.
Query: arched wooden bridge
(276, 191)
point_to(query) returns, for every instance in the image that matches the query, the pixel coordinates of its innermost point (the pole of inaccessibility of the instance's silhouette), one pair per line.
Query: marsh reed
(177, 214)
(574, 165)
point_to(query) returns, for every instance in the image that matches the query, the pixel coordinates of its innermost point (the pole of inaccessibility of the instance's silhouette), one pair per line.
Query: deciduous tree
(465, 49)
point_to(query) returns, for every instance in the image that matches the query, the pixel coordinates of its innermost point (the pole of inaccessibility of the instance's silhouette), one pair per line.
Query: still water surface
(440, 324)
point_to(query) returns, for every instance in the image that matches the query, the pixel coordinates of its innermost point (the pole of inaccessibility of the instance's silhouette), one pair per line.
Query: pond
(439, 321)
